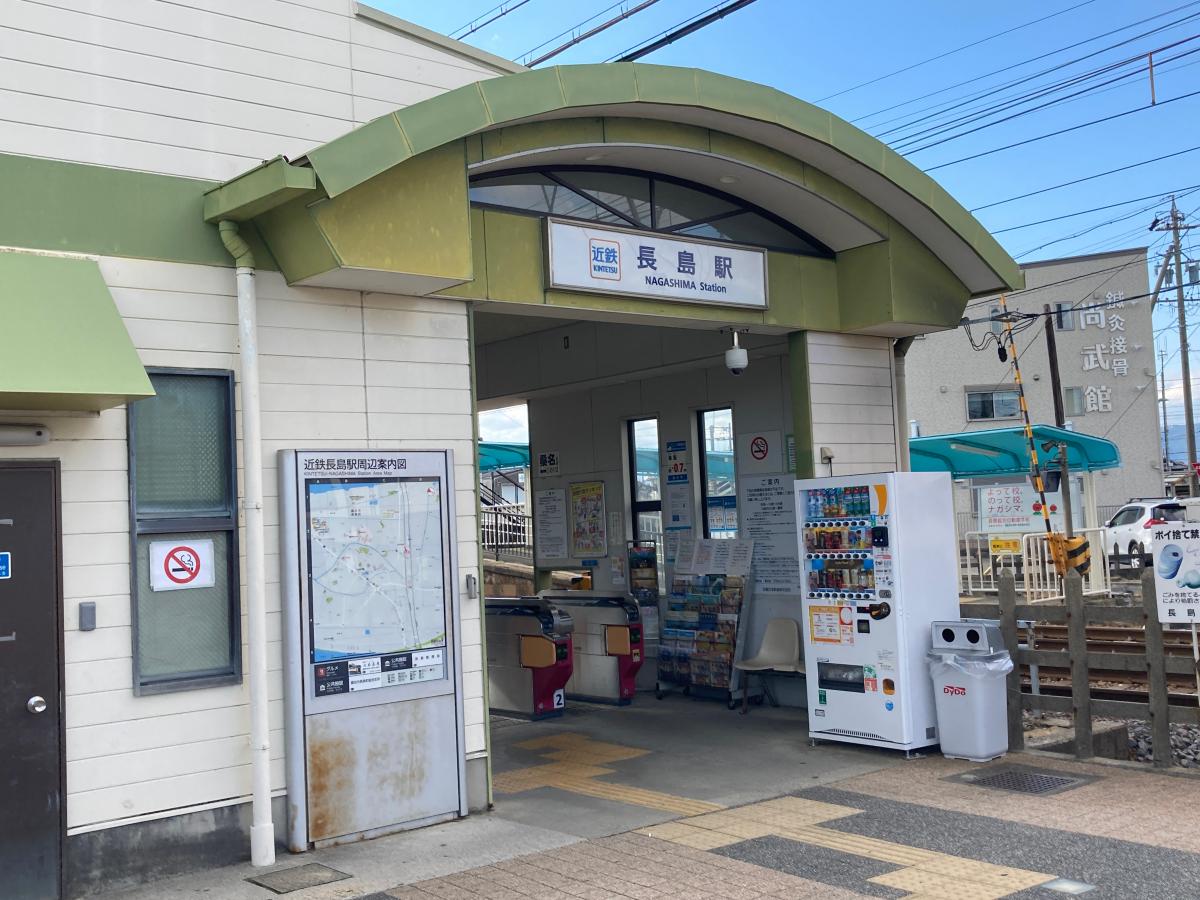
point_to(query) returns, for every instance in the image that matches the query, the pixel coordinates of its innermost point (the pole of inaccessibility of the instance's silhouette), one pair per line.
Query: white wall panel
(203, 88)
(318, 390)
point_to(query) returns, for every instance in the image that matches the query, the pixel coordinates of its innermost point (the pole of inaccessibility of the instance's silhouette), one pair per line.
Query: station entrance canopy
(1005, 451)
(387, 207)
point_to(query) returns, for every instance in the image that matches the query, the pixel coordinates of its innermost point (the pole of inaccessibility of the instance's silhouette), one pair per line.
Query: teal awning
(493, 456)
(1005, 451)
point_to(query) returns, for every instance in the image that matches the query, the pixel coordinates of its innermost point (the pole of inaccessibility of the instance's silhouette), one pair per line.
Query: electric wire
(1138, 396)
(1026, 62)
(948, 107)
(591, 33)
(906, 147)
(976, 43)
(1089, 230)
(1055, 187)
(690, 26)
(470, 28)
(1084, 212)
(1061, 131)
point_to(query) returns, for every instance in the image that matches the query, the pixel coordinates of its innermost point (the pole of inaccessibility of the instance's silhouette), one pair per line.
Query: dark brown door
(31, 767)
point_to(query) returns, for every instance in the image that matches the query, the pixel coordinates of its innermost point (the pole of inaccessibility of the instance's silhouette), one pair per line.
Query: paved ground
(684, 799)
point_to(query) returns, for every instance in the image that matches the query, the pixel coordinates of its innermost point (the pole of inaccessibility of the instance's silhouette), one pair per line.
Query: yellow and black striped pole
(1066, 552)
(1034, 465)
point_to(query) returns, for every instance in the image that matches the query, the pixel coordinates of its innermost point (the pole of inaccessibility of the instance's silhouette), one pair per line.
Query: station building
(239, 228)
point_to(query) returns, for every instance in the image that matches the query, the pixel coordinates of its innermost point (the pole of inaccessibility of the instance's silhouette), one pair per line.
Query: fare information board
(376, 576)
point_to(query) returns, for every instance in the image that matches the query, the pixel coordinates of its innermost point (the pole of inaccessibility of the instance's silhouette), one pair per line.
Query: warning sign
(179, 565)
(759, 447)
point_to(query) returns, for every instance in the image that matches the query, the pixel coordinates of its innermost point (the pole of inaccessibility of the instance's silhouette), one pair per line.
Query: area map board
(369, 577)
(376, 579)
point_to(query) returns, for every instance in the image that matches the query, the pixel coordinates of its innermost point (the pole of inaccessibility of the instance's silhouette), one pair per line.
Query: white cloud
(509, 425)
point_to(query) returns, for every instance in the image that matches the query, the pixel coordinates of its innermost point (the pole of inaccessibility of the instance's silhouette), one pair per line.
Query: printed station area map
(375, 558)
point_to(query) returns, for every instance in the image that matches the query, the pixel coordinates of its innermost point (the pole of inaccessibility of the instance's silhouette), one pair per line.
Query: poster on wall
(1177, 572)
(588, 536)
(678, 464)
(550, 524)
(769, 517)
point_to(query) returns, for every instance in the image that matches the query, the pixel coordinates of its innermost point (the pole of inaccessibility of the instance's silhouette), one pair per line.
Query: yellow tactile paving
(925, 873)
(1008, 877)
(596, 754)
(929, 884)
(579, 761)
(687, 836)
(604, 790)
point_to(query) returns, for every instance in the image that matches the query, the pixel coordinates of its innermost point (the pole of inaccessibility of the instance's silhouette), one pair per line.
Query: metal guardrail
(1043, 584)
(507, 533)
(979, 568)
(1077, 615)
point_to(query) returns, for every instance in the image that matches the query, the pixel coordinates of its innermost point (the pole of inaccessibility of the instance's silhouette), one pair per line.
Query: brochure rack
(701, 634)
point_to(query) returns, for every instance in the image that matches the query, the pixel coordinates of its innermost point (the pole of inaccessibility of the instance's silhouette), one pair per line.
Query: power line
(1033, 59)
(1042, 137)
(1136, 212)
(923, 62)
(1084, 212)
(663, 38)
(945, 107)
(1045, 92)
(1139, 394)
(1055, 187)
(573, 29)
(470, 28)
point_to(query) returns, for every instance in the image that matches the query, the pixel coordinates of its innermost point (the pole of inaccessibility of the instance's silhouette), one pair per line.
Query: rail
(507, 533)
(1151, 664)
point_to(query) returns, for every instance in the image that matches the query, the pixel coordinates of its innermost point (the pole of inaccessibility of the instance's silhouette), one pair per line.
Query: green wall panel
(50, 205)
(413, 219)
(297, 241)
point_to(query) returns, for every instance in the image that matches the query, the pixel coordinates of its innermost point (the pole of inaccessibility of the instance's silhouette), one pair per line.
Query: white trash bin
(969, 667)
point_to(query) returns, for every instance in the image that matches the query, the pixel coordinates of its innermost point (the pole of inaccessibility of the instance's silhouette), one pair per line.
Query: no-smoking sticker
(759, 447)
(179, 565)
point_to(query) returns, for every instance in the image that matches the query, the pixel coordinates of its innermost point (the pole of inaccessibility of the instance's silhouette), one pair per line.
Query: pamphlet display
(704, 618)
(588, 537)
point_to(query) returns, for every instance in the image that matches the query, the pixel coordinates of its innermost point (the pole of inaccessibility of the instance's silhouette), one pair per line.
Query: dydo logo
(954, 690)
(605, 259)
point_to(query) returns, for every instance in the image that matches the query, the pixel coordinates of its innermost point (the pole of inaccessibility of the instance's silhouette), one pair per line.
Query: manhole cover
(1022, 780)
(284, 881)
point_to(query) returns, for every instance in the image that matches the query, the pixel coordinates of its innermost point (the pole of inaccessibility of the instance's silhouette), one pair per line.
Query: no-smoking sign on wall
(183, 564)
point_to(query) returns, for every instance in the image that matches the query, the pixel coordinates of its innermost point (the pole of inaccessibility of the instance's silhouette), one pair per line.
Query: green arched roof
(692, 96)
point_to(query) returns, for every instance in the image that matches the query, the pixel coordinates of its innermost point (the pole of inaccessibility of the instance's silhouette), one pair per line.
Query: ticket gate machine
(529, 656)
(609, 644)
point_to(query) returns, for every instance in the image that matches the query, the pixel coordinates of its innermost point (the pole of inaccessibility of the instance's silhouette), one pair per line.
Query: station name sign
(643, 264)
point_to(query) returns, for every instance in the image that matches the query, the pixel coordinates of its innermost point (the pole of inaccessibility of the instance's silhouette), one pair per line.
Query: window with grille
(183, 488)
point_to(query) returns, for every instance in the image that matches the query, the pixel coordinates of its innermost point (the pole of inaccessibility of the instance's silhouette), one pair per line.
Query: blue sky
(821, 52)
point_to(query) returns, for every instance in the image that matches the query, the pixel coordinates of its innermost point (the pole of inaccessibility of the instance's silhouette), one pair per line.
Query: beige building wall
(340, 369)
(941, 367)
(207, 88)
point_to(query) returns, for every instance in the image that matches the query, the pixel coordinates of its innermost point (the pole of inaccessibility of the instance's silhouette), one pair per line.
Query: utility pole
(1060, 418)
(1162, 399)
(1175, 226)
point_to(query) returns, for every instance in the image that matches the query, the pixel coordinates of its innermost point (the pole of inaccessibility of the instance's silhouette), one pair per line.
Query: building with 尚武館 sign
(1107, 364)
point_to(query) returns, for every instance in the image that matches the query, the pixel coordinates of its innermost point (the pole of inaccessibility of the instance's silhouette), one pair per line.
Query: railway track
(1132, 695)
(1113, 639)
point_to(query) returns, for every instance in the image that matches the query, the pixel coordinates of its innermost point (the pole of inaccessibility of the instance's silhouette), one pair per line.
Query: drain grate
(1023, 781)
(296, 878)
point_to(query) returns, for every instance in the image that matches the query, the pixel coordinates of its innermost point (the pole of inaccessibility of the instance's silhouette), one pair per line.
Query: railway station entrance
(696, 285)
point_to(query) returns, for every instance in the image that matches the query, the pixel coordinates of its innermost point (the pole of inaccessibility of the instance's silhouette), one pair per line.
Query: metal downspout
(899, 352)
(262, 829)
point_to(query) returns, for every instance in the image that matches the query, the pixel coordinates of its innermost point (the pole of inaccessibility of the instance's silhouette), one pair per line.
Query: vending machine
(879, 564)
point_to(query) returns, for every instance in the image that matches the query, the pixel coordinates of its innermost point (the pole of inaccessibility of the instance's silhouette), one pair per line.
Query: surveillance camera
(736, 360)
